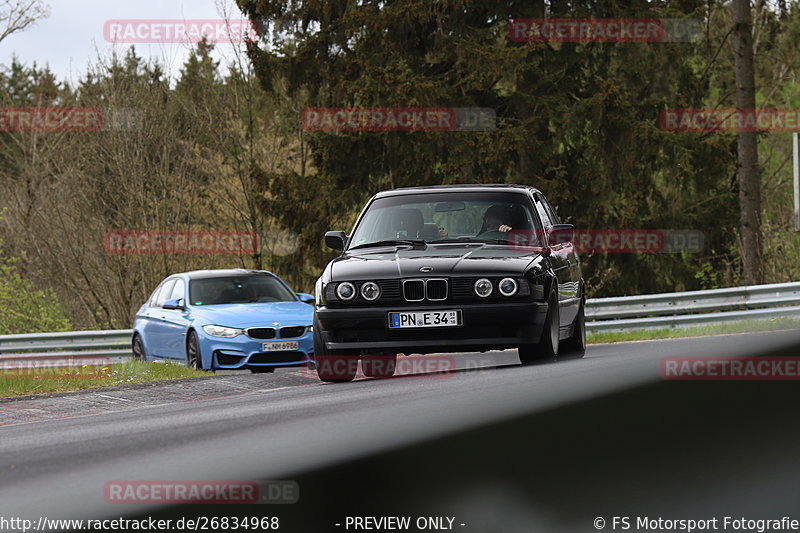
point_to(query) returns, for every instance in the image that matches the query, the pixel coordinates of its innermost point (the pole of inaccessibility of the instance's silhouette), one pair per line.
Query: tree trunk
(748, 171)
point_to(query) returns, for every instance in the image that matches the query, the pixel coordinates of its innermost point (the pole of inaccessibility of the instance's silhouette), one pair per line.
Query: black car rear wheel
(548, 344)
(333, 366)
(379, 366)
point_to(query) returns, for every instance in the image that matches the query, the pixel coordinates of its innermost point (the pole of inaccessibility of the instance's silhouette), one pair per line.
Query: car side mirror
(336, 240)
(560, 233)
(306, 298)
(176, 303)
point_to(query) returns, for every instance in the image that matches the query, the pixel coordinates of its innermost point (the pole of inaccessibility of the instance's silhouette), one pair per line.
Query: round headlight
(346, 291)
(483, 288)
(508, 286)
(370, 291)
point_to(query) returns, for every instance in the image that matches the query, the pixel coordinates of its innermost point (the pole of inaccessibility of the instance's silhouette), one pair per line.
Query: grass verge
(744, 326)
(41, 380)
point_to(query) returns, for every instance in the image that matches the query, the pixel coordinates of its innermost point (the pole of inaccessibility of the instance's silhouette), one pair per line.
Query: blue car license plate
(288, 346)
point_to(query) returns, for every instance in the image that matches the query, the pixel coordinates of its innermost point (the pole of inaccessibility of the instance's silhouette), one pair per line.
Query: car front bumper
(484, 326)
(244, 352)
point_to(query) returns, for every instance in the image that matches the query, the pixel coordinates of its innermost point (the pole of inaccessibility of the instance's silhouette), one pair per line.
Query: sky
(72, 37)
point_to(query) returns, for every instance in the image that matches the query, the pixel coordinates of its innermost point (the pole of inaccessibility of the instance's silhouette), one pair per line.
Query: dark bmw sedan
(448, 269)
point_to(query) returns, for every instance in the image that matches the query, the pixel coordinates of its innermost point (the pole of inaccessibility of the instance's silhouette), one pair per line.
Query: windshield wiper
(470, 240)
(463, 240)
(391, 242)
(494, 241)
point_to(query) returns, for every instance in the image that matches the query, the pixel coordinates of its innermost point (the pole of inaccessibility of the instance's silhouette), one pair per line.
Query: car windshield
(239, 290)
(445, 217)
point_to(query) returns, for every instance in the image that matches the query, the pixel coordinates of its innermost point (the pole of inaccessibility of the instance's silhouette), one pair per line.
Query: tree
(16, 15)
(578, 120)
(747, 143)
(185, 162)
(23, 307)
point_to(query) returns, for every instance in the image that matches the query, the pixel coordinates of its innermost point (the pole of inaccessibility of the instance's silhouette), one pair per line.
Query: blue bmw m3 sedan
(225, 319)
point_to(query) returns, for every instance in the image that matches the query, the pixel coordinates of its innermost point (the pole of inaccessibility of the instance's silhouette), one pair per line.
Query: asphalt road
(57, 453)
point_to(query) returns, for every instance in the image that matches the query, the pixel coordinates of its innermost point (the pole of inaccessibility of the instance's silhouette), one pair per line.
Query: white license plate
(425, 319)
(288, 346)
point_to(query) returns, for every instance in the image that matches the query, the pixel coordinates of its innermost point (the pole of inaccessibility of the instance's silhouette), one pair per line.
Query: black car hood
(442, 260)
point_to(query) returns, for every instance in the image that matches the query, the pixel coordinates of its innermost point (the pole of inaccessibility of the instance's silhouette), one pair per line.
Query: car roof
(222, 273)
(460, 187)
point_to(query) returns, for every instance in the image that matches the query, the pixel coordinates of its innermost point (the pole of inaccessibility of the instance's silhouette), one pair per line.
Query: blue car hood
(253, 315)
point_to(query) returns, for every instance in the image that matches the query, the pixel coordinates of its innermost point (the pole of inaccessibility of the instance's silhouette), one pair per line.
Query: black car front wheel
(575, 346)
(333, 366)
(548, 344)
(193, 358)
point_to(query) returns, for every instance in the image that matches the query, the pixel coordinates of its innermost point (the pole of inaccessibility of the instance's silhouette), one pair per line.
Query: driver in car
(496, 218)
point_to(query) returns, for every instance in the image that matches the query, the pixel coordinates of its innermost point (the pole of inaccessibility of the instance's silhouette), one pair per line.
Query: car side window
(165, 292)
(543, 213)
(550, 211)
(154, 297)
(179, 291)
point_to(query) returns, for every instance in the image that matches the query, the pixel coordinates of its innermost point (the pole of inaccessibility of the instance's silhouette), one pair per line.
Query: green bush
(23, 308)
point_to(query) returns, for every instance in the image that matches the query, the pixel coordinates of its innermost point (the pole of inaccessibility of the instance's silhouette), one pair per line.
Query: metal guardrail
(66, 348)
(693, 308)
(666, 310)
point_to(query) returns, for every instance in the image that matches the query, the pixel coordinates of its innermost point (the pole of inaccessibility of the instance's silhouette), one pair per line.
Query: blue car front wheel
(138, 348)
(193, 358)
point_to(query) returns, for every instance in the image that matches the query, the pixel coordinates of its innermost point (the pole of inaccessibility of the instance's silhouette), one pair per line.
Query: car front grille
(291, 332)
(462, 287)
(261, 333)
(227, 359)
(436, 290)
(417, 290)
(433, 291)
(390, 290)
(414, 290)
